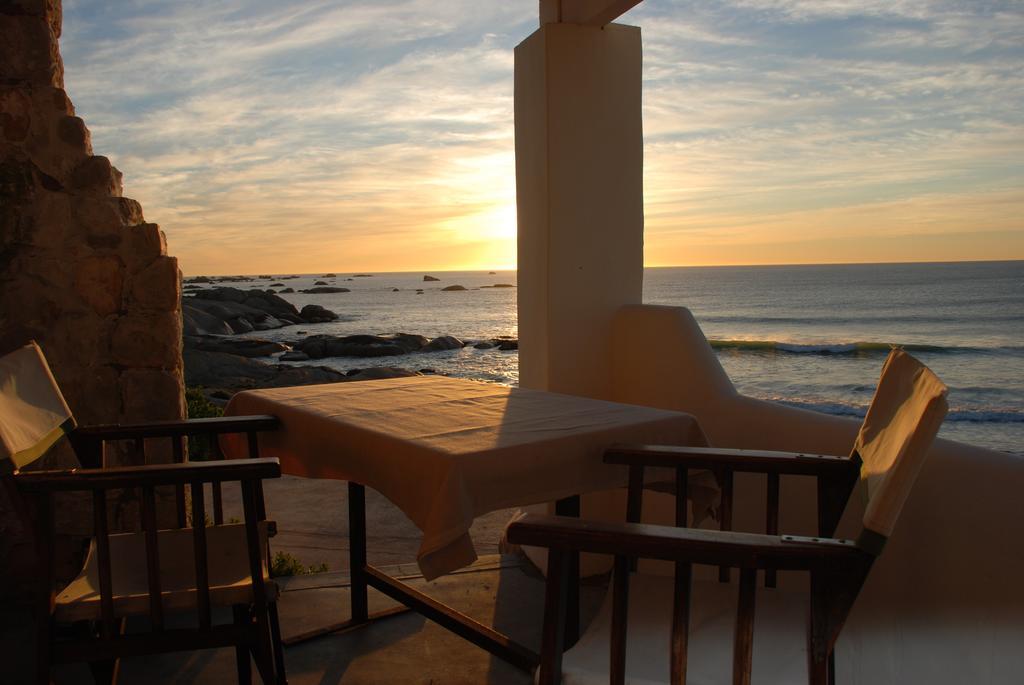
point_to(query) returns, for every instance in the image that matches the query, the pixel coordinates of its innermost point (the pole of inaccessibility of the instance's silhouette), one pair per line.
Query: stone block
(152, 395)
(94, 395)
(96, 175)
(98, 219)
(148, 340)
(130, 210)
(15, 114)
(28, 50)
(76, 345)
(60, 100)
(147, 242)
(52, 220)
(72, 131)
(158, 286)
(99, 280)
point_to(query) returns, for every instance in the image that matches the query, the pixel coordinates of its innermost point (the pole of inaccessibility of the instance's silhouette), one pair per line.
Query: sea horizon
(646, 267)
(808, 335)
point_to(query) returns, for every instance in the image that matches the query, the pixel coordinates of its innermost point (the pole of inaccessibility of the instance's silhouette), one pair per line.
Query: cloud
(271, 136)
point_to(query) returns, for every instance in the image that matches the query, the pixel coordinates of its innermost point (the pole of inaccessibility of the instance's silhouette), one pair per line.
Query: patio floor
(501, 591)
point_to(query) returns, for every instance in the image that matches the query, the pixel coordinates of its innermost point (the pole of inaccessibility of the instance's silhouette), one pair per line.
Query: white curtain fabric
(32, 409)
(901, 423)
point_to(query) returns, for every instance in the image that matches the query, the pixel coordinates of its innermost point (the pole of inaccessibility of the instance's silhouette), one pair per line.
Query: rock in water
(319, 290)
(314, 313)
(243, 347)
(452, 288)
(293, 356)
(320, 283)
(320, 346)
(221, 370)
(380, 372)
(430, 278)
(445, 342)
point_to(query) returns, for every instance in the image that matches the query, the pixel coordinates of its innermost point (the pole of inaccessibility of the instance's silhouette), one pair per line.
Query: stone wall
(81, 272)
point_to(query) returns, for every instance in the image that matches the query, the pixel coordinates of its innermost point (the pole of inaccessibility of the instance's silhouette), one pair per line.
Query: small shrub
(201, 447)
(285, 564)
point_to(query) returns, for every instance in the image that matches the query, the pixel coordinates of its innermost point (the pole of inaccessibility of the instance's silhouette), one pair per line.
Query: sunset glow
(356, 136)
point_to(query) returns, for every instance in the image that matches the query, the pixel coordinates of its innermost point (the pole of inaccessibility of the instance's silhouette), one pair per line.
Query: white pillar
(579, 194)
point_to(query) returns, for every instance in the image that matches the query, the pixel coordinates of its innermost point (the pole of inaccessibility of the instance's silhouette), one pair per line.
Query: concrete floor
(501, 591)
(312, 523)
(498, 591)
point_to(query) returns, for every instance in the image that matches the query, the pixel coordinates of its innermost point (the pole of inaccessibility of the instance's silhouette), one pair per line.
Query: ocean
(807, 336)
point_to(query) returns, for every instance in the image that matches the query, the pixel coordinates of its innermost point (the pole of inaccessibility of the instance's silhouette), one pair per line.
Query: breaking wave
(851, 348)
(956, 414)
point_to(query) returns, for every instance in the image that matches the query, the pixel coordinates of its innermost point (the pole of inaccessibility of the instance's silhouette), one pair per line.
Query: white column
(579, 193)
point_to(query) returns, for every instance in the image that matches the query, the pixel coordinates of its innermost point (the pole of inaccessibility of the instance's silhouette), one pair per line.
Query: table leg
(570, 506)
(357, 550)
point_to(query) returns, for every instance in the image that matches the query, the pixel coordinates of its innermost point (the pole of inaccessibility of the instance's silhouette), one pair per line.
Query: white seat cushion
(780, 636)
(227, 559)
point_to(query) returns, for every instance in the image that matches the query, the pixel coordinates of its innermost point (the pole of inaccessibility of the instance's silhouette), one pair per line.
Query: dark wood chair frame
(837, 568)
(254, 629)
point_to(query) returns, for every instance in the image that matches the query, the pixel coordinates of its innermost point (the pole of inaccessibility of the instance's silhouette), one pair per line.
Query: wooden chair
(190, 568)
(680, 625)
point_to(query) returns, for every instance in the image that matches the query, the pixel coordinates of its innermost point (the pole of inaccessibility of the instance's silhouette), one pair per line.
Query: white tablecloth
(446, 450)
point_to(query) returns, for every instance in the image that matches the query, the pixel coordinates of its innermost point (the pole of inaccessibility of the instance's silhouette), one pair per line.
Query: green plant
(200, 447)
(285, 564)
(198, 406)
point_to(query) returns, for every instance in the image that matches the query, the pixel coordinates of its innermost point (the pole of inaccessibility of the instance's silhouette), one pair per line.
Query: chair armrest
(717, 458)
(168, 429)
(695, 545)
(148, 475)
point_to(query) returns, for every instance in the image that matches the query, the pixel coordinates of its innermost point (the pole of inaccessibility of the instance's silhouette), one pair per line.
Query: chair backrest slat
(682, 495)
(771, 518)
(102, 533)
(725, 481)
(200, 552)
(250, 508)
(156, 607)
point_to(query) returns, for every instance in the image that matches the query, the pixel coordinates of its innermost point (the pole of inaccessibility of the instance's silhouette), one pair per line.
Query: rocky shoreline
(220, 362)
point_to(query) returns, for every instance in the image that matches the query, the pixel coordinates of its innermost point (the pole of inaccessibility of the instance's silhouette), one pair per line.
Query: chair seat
(228, 564)
(780, 636)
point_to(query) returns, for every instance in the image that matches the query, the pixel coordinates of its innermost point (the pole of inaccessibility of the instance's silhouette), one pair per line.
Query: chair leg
(242, 662)
(262, 651)
(43, 638)
(275, 637)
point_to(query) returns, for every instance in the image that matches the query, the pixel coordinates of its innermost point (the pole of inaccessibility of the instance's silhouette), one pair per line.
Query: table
(444, 451)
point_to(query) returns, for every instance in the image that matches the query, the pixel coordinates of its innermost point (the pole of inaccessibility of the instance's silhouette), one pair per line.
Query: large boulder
(222, 370)
(322, 289)
(430, 278)
(320, 346)
(453, 288)
(379, 372)
(445, 342)
(240, 310)
(198, 322)
(243, 347)
(314, 313)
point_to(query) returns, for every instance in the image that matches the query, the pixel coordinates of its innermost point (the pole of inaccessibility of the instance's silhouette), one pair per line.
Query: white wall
(945, 602)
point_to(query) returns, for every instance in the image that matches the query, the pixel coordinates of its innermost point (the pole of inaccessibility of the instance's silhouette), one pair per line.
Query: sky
(272, 136)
